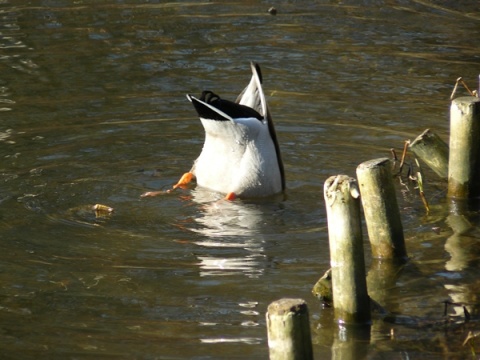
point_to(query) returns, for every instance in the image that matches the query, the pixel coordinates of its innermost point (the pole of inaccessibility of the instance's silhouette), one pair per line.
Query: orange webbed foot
(182, 183)
(230, 196)
(184, 180)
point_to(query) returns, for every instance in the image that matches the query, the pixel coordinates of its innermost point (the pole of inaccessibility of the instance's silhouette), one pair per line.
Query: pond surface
(93, 110)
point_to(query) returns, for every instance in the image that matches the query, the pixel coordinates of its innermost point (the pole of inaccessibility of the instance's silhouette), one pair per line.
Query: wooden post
(288, 329)
(382, 215)
(464, 161)
(350, 298)
(433, 151)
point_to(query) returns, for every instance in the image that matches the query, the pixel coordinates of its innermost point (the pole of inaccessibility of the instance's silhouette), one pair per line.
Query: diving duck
(241, 156)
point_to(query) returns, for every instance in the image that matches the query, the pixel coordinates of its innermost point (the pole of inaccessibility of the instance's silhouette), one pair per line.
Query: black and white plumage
(240, 156)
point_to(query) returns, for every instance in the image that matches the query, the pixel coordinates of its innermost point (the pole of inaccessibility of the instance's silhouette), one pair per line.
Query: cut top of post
(371, 164)
(465, 100)
(287, 305)
(337, 186)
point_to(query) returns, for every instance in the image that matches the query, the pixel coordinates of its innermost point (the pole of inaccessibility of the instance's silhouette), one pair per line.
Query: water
(93, 110)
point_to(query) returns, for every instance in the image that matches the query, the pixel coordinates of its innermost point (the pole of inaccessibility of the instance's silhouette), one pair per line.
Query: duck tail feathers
(253, 95)
(207, 111)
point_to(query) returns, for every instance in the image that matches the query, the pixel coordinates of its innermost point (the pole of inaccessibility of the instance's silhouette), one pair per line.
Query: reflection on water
(463, 248)
(93, 110)
(233, 231)
(226, 218)
(250, 265)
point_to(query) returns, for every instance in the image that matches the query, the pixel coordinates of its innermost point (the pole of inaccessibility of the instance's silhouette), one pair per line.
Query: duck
(241, 155)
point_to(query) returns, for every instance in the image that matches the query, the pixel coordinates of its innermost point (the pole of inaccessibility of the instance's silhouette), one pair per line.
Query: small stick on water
(394, 154)
(404, 154)
(395, 162)
(460, 81)
(455, 88)
(466, 87)
(410, 172)
(420, 187)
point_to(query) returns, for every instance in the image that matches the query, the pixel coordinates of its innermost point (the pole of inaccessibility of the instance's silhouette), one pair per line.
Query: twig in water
(469, 340)
(410, 175)
(404, 154)
(394, 162)
(460, 81)
(420, 187)
(394, 154)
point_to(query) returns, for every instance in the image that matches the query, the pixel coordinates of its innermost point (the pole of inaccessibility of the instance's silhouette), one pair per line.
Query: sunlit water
(93, 110)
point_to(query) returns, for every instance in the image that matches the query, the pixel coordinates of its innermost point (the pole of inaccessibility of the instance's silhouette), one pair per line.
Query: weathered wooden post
(350, 297)
(464, 160)
(380, 207)
(433, 151)
(288, 329)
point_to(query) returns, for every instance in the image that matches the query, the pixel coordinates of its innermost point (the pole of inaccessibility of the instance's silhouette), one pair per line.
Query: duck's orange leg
(231, 196)
(184, 180)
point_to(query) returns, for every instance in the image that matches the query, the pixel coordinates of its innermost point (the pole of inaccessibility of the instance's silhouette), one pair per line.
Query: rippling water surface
(93, 110)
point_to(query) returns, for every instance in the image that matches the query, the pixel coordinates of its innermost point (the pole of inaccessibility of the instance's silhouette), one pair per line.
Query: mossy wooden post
(464, 160)
(288, 329)
(350, 297)
(433, 151)
(382, 215)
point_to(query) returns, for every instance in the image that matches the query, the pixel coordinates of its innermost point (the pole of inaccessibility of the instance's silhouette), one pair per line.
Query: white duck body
(239, 155)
